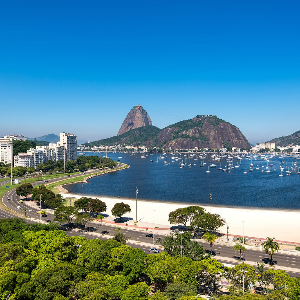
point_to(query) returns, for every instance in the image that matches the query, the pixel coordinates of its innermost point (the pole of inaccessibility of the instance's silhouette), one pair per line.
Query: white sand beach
(259, 223)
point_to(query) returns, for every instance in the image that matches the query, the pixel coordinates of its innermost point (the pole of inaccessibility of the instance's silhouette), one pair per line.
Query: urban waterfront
(166, 179)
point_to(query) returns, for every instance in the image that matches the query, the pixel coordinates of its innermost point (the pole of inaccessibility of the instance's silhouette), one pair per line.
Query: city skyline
(81, 68)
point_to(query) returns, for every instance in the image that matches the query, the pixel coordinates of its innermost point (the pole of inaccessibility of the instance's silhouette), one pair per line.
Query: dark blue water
(168, 182)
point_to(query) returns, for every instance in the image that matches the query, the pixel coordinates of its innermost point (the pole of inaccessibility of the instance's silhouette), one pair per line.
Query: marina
(233, 180)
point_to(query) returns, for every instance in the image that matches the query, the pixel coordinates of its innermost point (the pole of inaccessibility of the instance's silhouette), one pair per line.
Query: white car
(154, 250)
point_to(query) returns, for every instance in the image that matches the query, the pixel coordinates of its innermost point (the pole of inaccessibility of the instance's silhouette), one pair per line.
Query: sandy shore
(259, 223)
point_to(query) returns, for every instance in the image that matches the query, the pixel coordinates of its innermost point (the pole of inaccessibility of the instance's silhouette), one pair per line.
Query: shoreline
(204, 205)
(250, 222)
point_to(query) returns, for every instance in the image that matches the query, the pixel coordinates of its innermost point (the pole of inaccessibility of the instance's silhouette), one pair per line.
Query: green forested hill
(139, 136)
(292, 139)
(203, 131)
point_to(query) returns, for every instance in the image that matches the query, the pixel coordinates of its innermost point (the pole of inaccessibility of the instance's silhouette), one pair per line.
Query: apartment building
(16, 137)
(69, 142)
(24, 160)
(6, 150)
(66, 149)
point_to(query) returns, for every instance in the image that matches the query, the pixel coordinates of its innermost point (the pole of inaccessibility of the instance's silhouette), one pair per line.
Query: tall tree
(65, 214)
(209, 273)
(120, 209)
(207, 222)
(97, 206)
(43, 192)
(24, 189)
(54, 202)
(211, 238)
(82, 218)
(241, 276)
(240, 248)
(185, 214)
(270, 246)
(177, 244)
(83, 203)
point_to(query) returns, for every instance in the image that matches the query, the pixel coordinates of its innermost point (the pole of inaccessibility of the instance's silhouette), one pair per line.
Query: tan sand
(259, 223)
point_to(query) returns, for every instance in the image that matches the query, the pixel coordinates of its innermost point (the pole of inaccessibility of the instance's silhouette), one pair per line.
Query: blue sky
(80, 66)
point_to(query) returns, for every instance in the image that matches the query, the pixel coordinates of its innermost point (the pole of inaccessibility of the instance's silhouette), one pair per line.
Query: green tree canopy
(96, 206)
(211, 238)
(180, 243)
(120, 209)
(82, 203)
(239, 248)
(270, 246)
(207, 222)
(24, 189)
(185, 215)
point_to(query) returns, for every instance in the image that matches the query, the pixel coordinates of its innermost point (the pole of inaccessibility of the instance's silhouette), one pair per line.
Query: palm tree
(239, 247)
(211, 238)
(270, 247)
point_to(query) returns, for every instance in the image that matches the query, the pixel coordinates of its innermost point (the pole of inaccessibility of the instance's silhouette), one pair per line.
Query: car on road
(154, 250)
(8, 198)
(149, 235)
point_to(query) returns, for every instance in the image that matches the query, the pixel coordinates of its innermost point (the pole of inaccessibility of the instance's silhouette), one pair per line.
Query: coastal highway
(224, 253)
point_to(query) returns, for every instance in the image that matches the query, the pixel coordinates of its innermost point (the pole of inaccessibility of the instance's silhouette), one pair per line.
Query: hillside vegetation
(292, 139)
(201, 132)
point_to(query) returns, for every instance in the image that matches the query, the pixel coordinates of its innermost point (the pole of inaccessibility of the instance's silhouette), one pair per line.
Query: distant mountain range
(292, 139)
(52, 138)
(203, 131)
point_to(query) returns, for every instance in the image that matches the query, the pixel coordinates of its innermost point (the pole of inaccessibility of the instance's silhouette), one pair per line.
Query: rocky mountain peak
(136, 118)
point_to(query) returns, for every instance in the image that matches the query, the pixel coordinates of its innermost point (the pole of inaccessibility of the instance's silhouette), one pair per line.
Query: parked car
(154, 250)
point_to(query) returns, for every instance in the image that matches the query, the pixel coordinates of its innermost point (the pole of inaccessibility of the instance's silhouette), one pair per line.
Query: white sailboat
(208, 171)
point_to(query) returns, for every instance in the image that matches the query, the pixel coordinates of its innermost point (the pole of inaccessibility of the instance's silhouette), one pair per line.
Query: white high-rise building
(66, 149)
(56, 152)
(6, 150)
(69, 142)
(39, 156)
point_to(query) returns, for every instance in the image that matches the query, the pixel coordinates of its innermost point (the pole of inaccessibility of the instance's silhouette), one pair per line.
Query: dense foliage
(41, 262)
(292, 139)
(83, 163)
(22, 146)
(197, 217)
(120, 209)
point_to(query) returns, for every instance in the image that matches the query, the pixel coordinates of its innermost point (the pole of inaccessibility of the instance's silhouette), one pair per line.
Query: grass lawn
(52, 186)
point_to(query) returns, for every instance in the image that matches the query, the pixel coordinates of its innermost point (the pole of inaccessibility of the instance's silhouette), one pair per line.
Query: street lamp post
(243, 233)
(181, 244)
(64, 160)
(40, 207)
(79, 253)
(11, 163)
(136, 193)
(227, 232)
(153, 227)
(243, 280)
